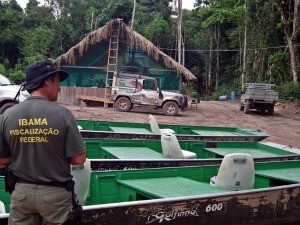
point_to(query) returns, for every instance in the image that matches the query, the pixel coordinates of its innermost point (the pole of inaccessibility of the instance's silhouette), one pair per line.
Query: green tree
(121, 9)
(156, 30)
(292, 33)
(223, 38)
(153, 21)
(37, 41)
(11, 27)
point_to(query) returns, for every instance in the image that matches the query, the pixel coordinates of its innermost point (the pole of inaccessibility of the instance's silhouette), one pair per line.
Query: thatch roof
(132, 37)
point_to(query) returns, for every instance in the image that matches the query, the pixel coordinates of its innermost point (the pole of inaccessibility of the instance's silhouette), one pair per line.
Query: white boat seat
(188, 154)
(155, 128)
(235, 173)
(81, 176)
(79, 127)
(2, 208)
(172, 149)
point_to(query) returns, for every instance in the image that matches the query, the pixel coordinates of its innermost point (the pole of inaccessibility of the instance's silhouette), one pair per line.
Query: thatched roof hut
(132, 37)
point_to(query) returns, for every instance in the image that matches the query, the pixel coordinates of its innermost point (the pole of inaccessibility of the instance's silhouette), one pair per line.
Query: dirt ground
(283, 127)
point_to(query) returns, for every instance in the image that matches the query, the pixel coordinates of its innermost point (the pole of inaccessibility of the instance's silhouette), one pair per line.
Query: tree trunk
(217, 56)
(183, 52)
(92, 21)
(245, 49)
(209, 65)
(205, 77)
(296, 37)
(291, 38)
(179, 31)
(133, 13)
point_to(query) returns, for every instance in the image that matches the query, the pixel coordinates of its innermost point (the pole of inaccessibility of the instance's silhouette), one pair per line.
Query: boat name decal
(115, 168)
(214, 207)
(163, 215)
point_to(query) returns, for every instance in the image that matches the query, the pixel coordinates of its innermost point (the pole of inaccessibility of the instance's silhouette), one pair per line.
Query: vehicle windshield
(5, 81)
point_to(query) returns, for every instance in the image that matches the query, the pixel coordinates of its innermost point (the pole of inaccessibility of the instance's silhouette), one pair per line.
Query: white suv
(8, 92)
(125, 93)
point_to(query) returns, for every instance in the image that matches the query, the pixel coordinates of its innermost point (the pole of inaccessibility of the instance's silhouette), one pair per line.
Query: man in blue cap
(39, 140)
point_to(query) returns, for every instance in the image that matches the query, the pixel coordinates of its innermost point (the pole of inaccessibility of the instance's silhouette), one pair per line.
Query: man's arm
(5, 161)
(77, 159)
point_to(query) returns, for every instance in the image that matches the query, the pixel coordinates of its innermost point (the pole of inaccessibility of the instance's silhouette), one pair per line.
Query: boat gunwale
(195, 197)
(136, 164)
(168, 124)
(183, 198)
(217, 161)
(128, 164)
(136, 136)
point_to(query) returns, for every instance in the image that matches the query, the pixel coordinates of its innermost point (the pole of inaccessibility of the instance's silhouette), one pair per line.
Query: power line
(227, 50)
(222, 50)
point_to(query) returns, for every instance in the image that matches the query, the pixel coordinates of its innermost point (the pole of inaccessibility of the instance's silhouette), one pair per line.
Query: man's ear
(48, 82)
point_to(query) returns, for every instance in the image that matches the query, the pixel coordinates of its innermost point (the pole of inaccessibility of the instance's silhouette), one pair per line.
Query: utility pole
(133, 12)
(245, 47)
(177, 13)
(179, 32)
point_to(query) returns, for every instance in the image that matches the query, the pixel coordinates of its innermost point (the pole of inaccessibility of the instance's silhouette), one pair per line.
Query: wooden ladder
(112, 60)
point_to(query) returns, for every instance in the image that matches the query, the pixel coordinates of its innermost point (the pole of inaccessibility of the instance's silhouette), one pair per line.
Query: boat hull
(120, 164)
(121, 197)
(149, 153)
(128, 130)
(278, 205)
(137, 136)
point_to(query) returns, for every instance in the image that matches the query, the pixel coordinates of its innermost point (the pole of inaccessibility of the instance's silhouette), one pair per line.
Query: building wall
(89, 75)
(69, 95)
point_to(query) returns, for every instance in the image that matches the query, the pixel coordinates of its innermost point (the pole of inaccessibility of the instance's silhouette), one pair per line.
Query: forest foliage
(227, 43)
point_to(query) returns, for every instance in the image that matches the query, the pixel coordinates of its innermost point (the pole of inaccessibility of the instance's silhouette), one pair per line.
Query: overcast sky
(186, 4)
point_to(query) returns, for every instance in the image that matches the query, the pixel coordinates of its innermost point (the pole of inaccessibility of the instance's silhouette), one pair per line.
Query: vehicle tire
(247, 108)
(264, 110)
(241, 106)
(123, 104)
(271, 110)
(6, 106)
(170, 108)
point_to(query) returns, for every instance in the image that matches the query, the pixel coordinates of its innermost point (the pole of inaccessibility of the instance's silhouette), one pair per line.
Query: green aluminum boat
(257, 193)
(152, 130)
(132, 154)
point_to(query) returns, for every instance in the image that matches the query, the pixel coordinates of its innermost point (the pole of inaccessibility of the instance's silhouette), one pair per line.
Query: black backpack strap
(16, 99)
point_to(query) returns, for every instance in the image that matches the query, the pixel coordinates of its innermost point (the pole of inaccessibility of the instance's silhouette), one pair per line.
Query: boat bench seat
(168, 187)
(214, 133)
(286, 174)
(137, 130)
(256, 153)
(131, 153)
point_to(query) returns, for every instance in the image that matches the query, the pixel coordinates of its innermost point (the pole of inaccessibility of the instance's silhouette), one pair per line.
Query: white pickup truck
(8, 91)
(258, 96)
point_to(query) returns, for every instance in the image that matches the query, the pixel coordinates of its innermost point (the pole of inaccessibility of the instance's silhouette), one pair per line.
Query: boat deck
(287, 174)
(189, 181)
(152, 149)
(136, 130)
(132, 153)
(214, 133)
(175, 183)
(168, 187)
(255, 152)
